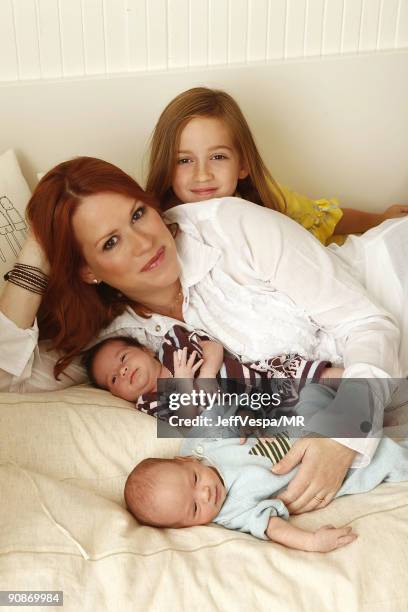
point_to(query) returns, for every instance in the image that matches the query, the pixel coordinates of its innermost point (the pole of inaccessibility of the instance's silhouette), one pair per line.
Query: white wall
(42, 39)
(326, 127)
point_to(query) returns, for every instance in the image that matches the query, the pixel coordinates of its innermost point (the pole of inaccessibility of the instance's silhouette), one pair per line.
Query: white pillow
(14, 196)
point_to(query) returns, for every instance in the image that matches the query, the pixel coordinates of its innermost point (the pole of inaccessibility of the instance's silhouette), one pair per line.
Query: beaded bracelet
(28, 277)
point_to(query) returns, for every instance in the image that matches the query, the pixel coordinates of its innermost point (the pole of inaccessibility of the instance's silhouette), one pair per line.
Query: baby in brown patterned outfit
(131, 371)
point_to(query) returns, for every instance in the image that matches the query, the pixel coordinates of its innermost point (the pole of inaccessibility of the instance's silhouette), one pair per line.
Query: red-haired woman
(77, 303)
(104, 263)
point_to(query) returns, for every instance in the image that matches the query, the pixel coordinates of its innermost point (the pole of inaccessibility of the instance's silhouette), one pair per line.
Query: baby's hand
(329, 538)
(397, 210)
(185, 367)
(213, 354)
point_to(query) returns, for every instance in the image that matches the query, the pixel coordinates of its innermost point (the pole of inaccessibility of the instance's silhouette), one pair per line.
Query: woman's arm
(331, 377)
(20, 305)
(359, 221)
(267, 249)
(23, 366)
(286, 258)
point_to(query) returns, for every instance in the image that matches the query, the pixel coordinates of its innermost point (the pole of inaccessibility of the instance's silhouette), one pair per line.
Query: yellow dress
(319, 217)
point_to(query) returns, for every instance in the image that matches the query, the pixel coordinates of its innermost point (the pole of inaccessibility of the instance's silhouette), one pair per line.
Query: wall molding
(52, 39)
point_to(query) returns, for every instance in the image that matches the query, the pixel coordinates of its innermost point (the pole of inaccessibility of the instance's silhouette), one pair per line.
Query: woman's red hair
(72, 312)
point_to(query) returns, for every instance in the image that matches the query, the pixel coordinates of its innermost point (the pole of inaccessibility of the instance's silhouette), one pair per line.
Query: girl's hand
(397, 210)
(184, 366)
(329, 538)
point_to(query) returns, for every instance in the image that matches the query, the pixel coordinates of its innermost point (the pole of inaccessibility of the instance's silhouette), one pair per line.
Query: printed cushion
(14, 196)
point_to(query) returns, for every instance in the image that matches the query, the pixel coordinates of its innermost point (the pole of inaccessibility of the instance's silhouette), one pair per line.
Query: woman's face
(126, 245)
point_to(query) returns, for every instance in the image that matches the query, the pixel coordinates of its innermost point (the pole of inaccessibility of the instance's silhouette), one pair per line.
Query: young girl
(202, 148)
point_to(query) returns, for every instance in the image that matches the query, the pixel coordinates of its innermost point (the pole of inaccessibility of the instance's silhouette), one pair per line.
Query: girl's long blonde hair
(258, 186)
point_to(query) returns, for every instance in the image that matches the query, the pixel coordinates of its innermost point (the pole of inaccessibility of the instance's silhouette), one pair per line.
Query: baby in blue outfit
(225, 482)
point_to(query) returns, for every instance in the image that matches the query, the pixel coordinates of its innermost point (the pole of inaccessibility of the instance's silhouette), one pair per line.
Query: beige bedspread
(64, 457)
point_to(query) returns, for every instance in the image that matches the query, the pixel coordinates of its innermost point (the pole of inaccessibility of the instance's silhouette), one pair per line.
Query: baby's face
(188, 493)
(126, 371)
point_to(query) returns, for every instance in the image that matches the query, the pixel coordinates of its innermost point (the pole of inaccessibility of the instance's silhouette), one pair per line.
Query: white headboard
(326, 126)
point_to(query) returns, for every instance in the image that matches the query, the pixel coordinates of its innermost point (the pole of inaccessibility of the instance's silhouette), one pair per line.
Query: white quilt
(64, 457)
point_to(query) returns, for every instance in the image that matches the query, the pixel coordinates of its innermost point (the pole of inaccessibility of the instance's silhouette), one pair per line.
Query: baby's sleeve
(176, 338)
(294, 367)
(255, 520)
(150, 404)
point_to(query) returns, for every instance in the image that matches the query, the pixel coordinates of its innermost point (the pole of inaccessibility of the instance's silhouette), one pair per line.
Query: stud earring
(95, 281)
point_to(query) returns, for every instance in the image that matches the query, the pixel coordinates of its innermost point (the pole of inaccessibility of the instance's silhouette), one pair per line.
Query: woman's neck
(168, 303)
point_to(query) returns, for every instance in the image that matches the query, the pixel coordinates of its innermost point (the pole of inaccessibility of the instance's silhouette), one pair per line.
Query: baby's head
(122, 366)
(179, 492)
(202, 148)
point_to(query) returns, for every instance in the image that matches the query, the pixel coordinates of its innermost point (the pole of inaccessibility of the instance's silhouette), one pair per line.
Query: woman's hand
(33, 254)
(184, 366)
(16, 303)
(324, 464)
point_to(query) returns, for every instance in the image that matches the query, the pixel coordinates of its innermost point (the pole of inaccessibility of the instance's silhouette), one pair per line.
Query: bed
(64, 455)
(63, 462)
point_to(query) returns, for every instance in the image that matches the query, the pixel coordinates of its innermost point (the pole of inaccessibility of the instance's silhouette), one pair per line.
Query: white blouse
(258, 283)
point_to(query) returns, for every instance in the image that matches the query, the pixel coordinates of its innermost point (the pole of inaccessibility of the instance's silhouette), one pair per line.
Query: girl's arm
(324, 539)
(319, 217)
(324, 218)
(359, 221)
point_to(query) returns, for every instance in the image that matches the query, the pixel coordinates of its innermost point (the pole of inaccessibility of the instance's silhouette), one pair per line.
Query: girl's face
(126, 245)
(207, 163)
